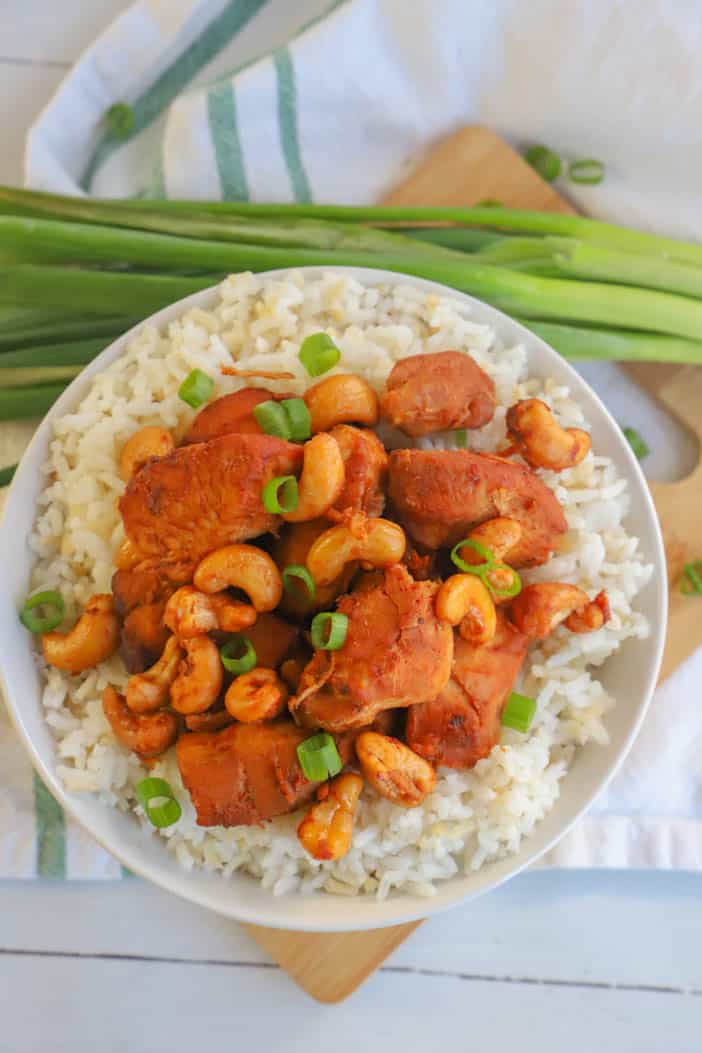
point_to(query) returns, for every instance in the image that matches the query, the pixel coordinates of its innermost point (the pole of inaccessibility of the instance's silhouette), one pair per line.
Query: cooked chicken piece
(366, 464)
(227, 415)
(396, 653)
(291, 548)
(436, 392)
(246, 773)
(140, 596)
(439, 495)
(273, 638)
(205, 496)
(463, 723)
(144, 635)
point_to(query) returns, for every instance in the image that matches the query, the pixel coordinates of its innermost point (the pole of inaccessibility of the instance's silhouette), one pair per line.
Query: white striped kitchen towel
(331, 100)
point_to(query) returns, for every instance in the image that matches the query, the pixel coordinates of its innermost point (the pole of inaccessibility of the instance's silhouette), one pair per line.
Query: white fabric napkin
(332, 101)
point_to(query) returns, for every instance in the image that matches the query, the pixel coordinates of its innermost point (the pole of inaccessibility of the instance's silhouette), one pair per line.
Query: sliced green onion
(53, 615)
(519, 712)
(472, 568)
(196, 388)
(318, 354)
(503, 594)
(460, 438)
(280, 494)
(7, 474)
(328, 631)
(156, 798)
(292, 576)
(119, 120)
(637, 443)
(546, 163)
(272, 418)
(238, 655)
(319, 758)
(588, 170)
(299, 420)
(691, 580)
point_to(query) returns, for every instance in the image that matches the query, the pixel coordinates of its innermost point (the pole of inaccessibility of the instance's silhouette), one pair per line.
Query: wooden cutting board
(467, 167)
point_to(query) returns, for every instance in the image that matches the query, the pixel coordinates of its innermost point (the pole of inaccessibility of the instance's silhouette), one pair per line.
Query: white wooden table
(556, 961)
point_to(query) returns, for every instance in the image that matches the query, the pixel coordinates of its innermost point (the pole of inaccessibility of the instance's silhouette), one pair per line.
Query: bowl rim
(383, 913)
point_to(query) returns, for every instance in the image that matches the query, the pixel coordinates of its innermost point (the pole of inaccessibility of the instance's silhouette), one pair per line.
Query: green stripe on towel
(287, 122)
(51, 833)
(149, 106)
(224, 132)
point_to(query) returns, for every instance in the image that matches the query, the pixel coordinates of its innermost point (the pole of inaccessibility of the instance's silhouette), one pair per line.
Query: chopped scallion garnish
(691, 580)
(119, 120)
(196, 388)
(156, 798)
(54, 609)
(319, 758)
(588, 170)
(328, 631)
(546, 163)
(460, 438)
(637, 443)
(518, 712)
(238, 655)
(319, 354)
(472, 568)
(299, 420)
(272, 418)
(280, 495)
(292, 576)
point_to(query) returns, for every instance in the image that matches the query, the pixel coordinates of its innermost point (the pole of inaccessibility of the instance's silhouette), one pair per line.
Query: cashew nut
(146, 692)
(257, 695)
(394, 770)
(243, 567)
(322, 479)
(542, 442)
(292, 546)
(127, 555)
(326, 830)
(464, 600)
(93, 638)
(499, 535)
(149, 734)
(540, 608)
(144, 445)
(199, 679)
(342, 399)
(190, 612)
(375, 542)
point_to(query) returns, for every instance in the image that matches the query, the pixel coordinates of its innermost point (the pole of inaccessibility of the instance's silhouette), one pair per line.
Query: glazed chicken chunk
(463, 723)
(436, 392)
(206, 495)
(439, 495)
(396, 653)
(228, 415)
(366, 466)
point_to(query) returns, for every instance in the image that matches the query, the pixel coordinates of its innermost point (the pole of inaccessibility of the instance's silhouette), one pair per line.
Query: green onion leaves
(318, 354)
(54, 609)
(288, 419)
(518, 712)
(691, 580)
(328, 631)
(7, 474)
(587, 171)
(238, 655)
(637, 443)
(196, 388)
(493, 575)
(319, 758)
(280, 494)
(294, 576)
(544, 161)
(119, 120)
(156, 798)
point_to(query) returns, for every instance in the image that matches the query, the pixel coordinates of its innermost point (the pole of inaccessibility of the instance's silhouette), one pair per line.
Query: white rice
(472, 817)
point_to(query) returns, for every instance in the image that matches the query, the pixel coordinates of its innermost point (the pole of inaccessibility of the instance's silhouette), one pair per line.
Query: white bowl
(630, 675)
